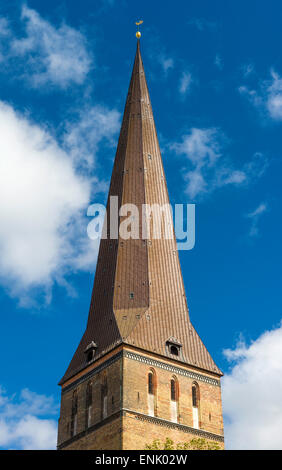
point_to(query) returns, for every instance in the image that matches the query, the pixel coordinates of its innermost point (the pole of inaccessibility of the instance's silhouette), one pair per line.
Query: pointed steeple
(138, 296)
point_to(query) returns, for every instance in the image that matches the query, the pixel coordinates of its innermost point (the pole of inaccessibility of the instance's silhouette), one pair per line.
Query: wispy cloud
(166, 62)
(46, 55)
(267, 98)
(274, 97)
(203, 24)
(160, 58)
(209, 170)
(218, 62)
(254, 217)
(252, 392)
(4, 27)
(185, 83)
(25, 421)
(84, 134)
(4, 35)
(248, 69)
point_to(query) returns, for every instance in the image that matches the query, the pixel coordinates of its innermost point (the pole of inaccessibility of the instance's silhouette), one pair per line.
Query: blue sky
(214, 72)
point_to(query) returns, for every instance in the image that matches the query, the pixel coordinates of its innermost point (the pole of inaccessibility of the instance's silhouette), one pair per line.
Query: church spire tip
(138, 34)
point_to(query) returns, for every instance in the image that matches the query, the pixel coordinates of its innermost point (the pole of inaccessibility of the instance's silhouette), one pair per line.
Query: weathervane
(138, 34)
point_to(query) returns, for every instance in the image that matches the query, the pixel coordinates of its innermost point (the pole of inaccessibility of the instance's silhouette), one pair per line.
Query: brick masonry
(127, 425)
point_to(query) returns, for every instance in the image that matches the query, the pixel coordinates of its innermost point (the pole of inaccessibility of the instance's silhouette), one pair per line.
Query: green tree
(193, 444)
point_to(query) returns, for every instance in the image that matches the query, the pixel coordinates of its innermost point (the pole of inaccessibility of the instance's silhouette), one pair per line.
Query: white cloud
(4, 34)
(4, 27)
(44, 198)
(268, 97)
(167, 63)
(203, 24)
(203, 149)
(248, 69)
(274, 97)
(252, 394)
(252, 96)
(218, 61)
(24, 423)
(93, 126)
(254, 216)
(200, 145)
(185, 83)
(160, 58)
(47, 55)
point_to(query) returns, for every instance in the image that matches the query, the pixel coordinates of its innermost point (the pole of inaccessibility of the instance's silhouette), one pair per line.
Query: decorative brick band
(177, 426)
(175, 369)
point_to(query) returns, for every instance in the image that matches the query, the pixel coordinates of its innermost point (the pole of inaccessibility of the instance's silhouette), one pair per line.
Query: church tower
(140, 372)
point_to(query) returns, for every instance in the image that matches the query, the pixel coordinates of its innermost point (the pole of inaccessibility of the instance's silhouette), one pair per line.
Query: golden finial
(138, 34)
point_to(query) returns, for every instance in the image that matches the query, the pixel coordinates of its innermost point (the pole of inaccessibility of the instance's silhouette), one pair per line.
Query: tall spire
(138, 296)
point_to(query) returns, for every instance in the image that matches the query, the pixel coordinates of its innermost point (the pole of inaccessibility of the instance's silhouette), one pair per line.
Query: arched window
(88, 407)
(173, 390)
(195, 404)
(151, 383)
(195, 395)
(174, 393)
(74, 413)
(104, 396)
(152, 396)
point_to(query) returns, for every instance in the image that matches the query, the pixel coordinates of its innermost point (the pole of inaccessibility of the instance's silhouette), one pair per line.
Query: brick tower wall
(103, 433)
(127, 424)
(139, 430)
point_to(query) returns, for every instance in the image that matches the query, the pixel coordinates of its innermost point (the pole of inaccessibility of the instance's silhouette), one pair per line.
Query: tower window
(194, 396)
(74, 407)
(172, 390)
(174, 399)
(104, 397)
(90, 351)
(150, 383)
(90, 356)
(195, 405)
(173, 346)
(174, 350)
(88, 404)
(152, 398)
(131, 295)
